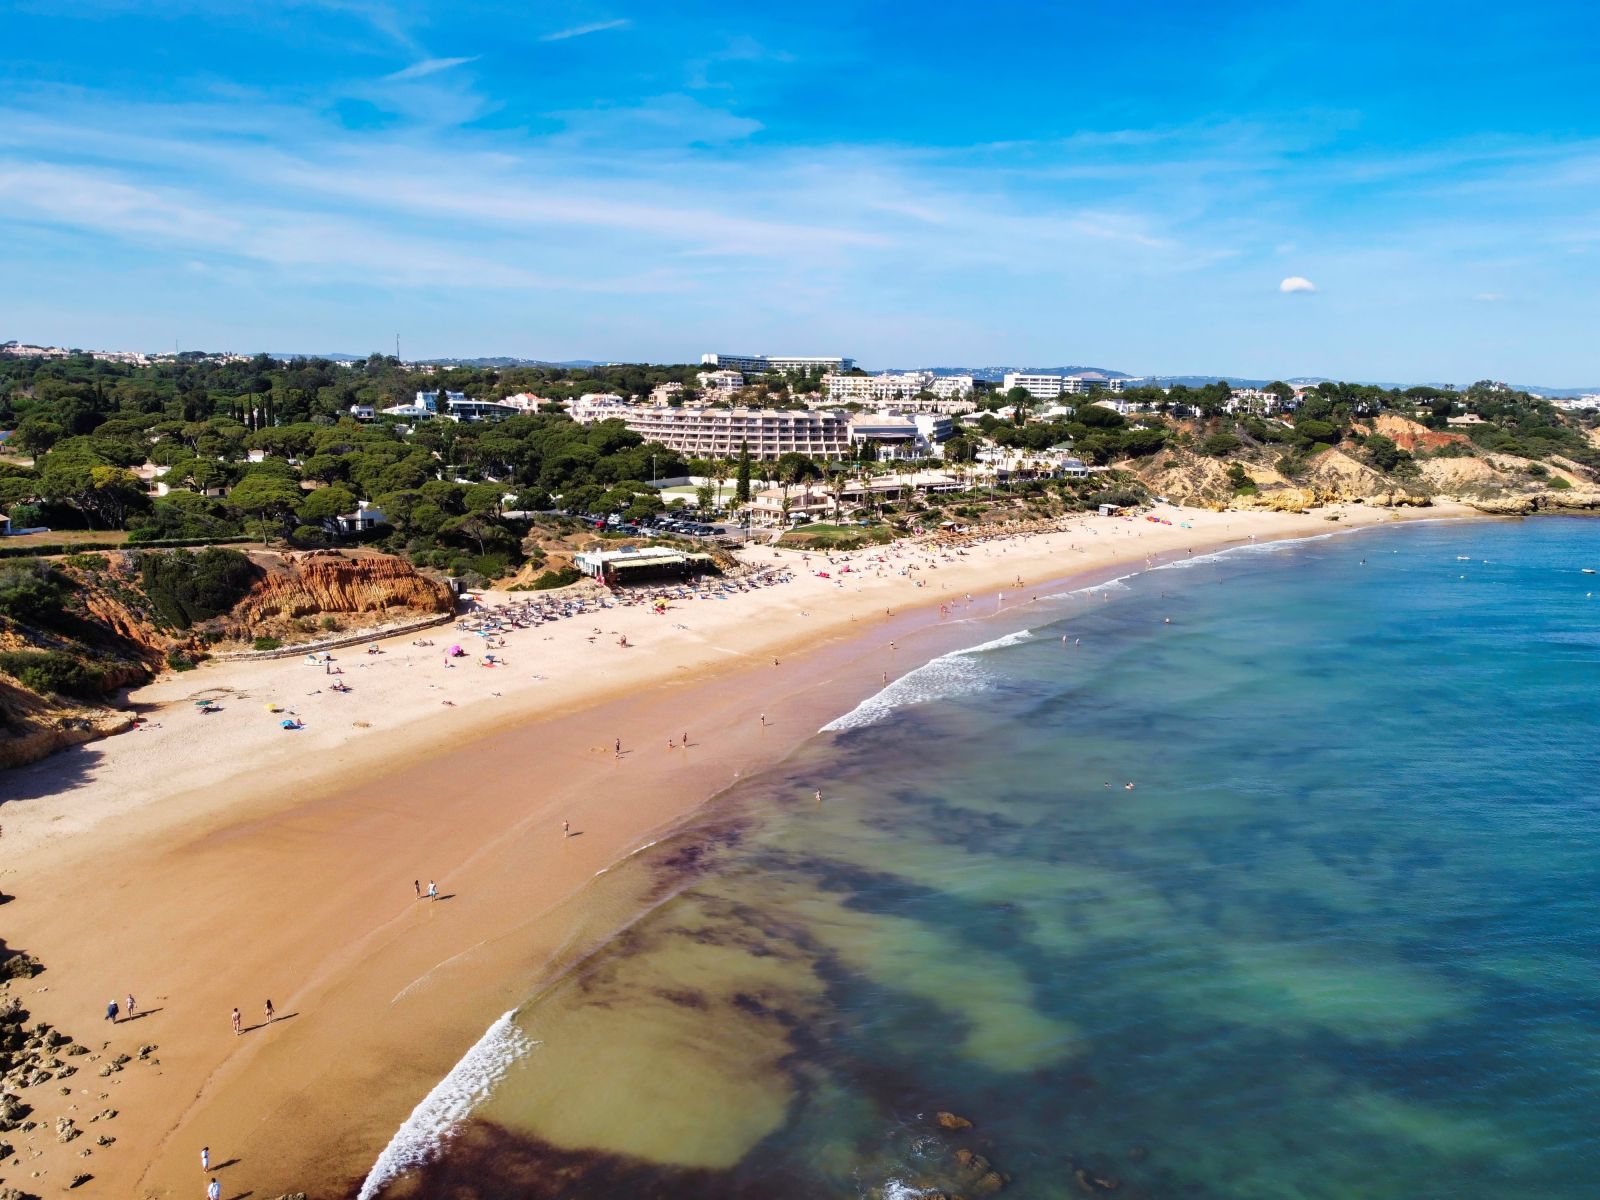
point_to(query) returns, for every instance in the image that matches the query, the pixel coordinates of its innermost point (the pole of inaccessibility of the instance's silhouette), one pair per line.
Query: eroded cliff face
(1414, 436)
(322, 582)
(114, 628)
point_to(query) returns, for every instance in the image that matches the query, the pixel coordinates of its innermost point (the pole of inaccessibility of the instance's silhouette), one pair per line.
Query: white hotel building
(949, 391)
(1048, 387)
(756, 364)
(724, 432)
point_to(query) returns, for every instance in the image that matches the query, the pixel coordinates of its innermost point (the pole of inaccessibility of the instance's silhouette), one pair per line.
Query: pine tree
(742, 487)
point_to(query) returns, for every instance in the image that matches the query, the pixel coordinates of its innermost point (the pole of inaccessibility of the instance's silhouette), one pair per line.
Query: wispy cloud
(428, 66)
(561, 35)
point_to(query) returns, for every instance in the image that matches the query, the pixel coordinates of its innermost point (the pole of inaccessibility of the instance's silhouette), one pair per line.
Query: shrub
(93, 563)
(329, 623)
(1123, 497)
(1317, 431)
(266, 643)
(1559, 483)
(184, 588)
(557, 579)
(309, 537)
(52, 671)
(31, 590)
(1219, 444)
(179, 661)
(1386, 456)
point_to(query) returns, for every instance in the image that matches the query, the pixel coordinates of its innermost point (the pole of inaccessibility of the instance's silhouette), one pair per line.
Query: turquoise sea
(1341, 938)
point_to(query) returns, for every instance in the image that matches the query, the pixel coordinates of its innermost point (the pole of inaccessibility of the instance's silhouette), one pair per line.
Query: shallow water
(1339, 940)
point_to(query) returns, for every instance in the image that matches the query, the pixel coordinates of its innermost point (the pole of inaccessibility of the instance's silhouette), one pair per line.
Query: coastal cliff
(76, 630)
(322, 582)
(1389, 461)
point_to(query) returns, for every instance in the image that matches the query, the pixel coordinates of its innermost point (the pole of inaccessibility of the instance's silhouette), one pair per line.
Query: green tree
(1386, 456)
(269, 497)
(323, 505)
(741, 491)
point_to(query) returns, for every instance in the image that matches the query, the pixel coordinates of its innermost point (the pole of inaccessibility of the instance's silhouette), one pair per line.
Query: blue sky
(1126, 184)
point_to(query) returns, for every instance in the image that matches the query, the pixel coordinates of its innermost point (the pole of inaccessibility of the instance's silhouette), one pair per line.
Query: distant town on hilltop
(980, 374)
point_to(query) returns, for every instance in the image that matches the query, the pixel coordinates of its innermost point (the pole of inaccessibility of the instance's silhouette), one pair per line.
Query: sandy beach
(214, 861)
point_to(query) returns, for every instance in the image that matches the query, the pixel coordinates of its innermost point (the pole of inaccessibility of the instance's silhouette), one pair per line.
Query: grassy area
(67, 537)
(820, 536)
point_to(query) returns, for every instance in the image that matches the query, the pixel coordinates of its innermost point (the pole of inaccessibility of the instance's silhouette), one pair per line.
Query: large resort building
(724, 432)
(759, 364)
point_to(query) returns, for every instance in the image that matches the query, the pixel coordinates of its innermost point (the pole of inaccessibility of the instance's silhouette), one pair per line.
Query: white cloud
(1296, 283)
(428, 66)
(562, 35)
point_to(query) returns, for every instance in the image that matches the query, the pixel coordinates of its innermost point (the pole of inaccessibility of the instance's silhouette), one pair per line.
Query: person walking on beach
(433, 890)
(566, 829)
(205, 1158)
(128, 1012)
(271, 1013)
(236, 1022)
(214, 1192)
(111, 1012)
(617, 748)
(417, 884)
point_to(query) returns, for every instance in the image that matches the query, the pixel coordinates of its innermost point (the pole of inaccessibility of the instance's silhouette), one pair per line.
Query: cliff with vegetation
(1300, 461)
(75, 631)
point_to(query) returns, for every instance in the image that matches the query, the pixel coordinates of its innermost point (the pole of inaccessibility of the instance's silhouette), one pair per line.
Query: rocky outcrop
(1534, 502)
(1337, 476)
(1191, 479)
(1399, 498)
(326, 581)
(1286, 499)
(1457, 475)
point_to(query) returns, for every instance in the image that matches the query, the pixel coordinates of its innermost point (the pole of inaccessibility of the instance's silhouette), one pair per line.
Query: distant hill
(502, 363)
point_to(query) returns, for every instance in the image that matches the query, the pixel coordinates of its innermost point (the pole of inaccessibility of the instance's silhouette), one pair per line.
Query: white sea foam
(895, 1189)
(431, 1123)
(958, 673)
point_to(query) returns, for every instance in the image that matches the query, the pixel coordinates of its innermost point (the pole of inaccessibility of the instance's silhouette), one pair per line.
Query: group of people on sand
(270, 1015)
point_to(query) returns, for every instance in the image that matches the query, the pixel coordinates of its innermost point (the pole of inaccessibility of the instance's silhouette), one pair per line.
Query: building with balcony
(863, 388)
(720, 381)
(722, 432)
(758, 364)
(598, 406)
(919, 435)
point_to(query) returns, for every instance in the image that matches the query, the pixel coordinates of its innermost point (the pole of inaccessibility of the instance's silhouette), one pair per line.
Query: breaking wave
(955, 674)
(430, 1124)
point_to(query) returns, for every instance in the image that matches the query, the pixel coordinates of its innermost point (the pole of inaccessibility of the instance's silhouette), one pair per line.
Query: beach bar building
(642, 563)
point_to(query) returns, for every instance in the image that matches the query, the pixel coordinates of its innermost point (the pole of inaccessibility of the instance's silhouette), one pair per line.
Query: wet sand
(218, 863)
